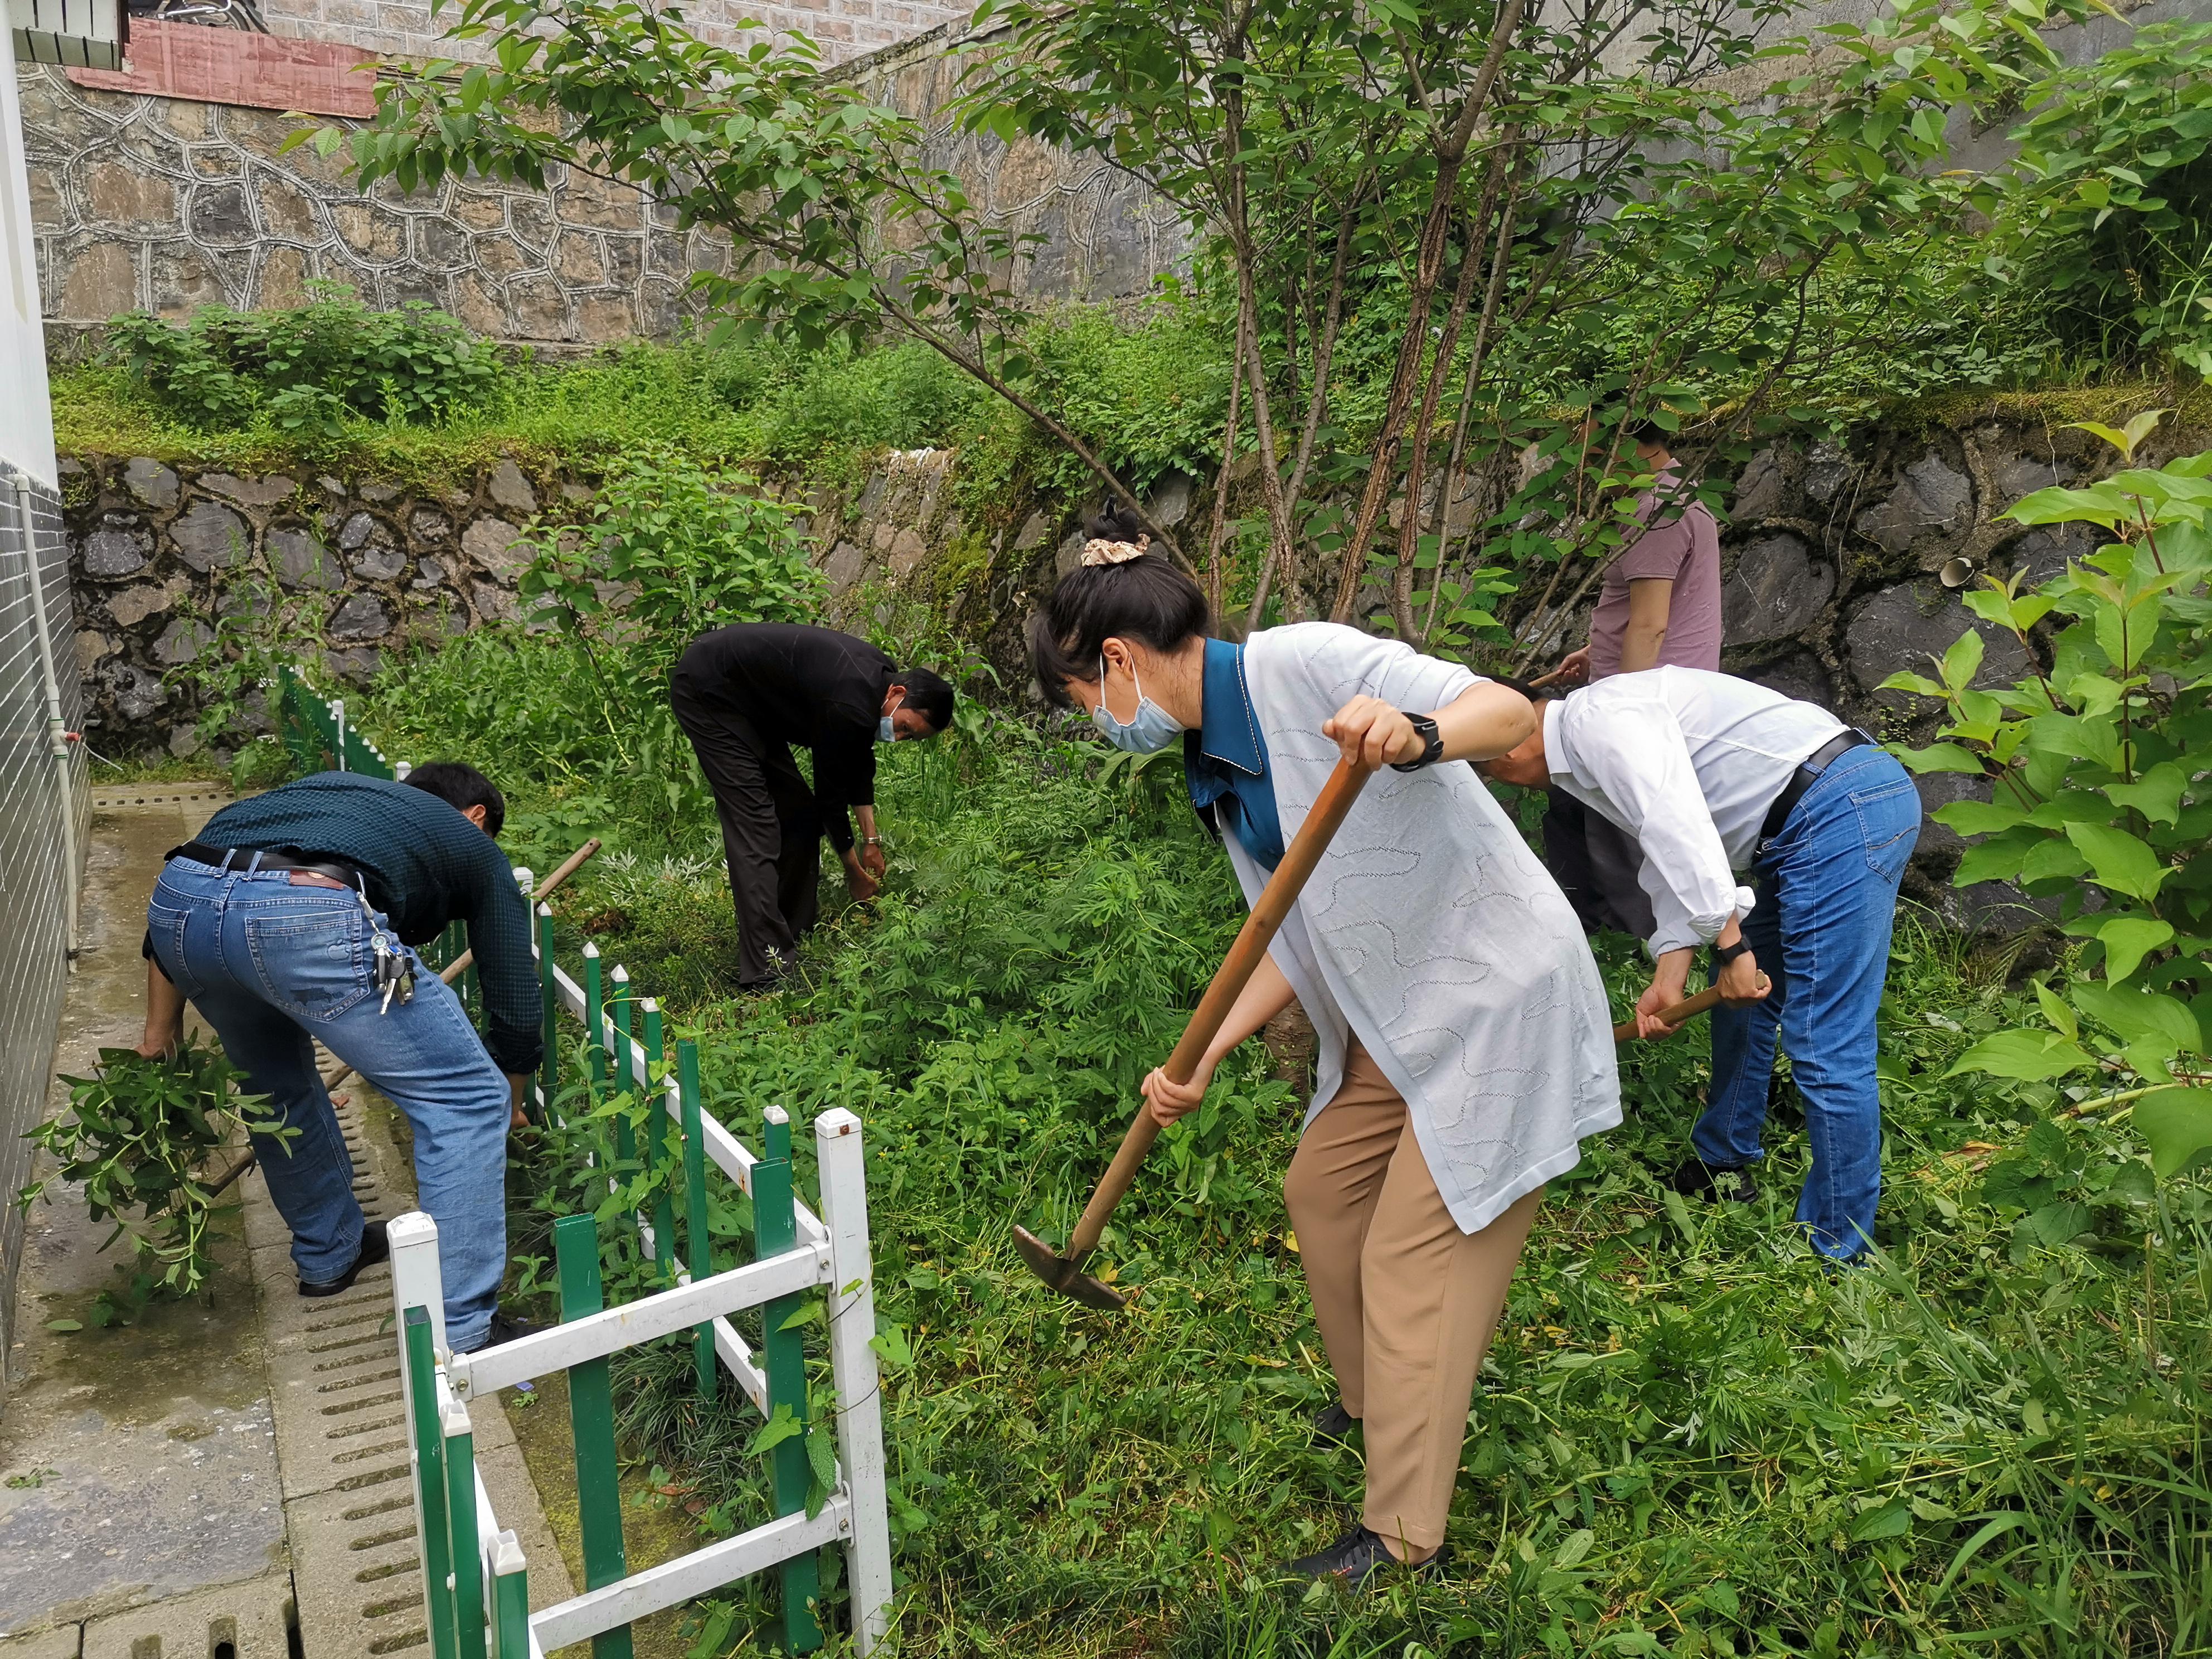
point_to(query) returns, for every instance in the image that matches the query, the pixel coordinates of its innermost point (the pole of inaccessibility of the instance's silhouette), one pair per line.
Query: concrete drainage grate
(257, 1619)
(115, 797)
(341, 1435)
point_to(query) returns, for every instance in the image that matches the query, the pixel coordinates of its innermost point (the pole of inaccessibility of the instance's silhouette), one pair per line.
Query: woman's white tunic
(1432, 931)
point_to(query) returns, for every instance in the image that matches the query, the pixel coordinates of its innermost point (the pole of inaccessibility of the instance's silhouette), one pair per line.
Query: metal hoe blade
(1065, 1275)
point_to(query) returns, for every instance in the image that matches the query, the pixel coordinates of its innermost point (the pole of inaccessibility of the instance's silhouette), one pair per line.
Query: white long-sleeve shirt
(1688, 762)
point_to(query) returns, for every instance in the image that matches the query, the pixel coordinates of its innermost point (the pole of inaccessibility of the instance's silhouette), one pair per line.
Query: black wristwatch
(1724, 954)
(1425, 729)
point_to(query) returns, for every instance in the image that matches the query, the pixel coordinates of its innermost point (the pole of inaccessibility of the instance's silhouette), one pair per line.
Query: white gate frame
(831, 1251)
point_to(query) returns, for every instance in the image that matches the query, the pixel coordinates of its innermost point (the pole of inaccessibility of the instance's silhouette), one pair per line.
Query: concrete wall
(1107, 236)
(141, 201)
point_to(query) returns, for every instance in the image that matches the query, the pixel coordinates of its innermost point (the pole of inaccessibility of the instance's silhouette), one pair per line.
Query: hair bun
(1099, 551)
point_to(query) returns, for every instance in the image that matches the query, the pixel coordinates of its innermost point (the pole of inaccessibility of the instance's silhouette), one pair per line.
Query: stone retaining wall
(161, 555)
(1832, 559)
(1832, 556)
(166, 204)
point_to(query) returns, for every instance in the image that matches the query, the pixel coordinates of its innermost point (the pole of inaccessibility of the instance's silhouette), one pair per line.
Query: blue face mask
(1150, 731)
(885, 732)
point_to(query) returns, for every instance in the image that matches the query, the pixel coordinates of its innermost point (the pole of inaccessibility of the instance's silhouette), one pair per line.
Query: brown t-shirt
(1685, 549)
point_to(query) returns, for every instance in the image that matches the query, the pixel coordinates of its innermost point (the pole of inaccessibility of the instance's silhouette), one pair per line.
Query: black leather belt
(1808, 774)
(243, 857)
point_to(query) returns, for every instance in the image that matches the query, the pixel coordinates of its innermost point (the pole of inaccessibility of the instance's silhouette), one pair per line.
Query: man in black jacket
(744, 695)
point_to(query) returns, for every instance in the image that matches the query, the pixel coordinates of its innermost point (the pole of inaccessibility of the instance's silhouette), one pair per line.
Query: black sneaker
(505, 1327)
(1694, 1178)
(1356, 1557)
(375, 1247)
(1332, 1430)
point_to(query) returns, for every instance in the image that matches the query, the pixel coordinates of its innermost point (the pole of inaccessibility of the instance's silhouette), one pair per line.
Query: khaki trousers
(1406, 1302)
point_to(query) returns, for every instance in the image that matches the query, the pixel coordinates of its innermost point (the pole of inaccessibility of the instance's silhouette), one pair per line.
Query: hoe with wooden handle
(1689, 1008)
(1064, 1272)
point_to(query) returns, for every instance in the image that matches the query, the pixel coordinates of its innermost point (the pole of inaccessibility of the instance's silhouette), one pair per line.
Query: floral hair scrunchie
(1098, 550)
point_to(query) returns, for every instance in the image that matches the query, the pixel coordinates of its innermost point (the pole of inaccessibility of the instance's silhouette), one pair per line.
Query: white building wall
(43, 817)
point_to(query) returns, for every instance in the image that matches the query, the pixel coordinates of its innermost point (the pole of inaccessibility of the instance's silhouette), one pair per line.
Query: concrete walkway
(224, 1479)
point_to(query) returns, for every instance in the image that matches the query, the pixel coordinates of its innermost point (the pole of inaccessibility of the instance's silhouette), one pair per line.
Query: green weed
(1691, 1438)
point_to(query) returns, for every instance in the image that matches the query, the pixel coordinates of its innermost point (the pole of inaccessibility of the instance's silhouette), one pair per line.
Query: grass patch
(1690, 1439)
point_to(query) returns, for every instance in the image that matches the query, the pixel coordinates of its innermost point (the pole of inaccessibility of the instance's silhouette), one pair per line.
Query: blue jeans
(1827, 897)
(271, 965)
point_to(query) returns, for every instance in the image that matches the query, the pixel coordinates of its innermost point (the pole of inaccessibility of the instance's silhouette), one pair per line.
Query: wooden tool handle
(1229, 980)
(459, 965)
(453, 969)
(1688, 1009)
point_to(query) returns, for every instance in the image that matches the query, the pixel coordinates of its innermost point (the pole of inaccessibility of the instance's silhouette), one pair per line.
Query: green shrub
(2112, 221)
(2101, 799)
(306, 370)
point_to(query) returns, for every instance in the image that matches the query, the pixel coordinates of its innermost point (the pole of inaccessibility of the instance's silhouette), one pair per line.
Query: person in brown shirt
(1659, 604)
(1659, 601)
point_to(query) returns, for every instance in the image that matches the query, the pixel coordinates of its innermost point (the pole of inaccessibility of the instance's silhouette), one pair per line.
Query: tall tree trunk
(1428, 271)
(1216, 582)
(1477, 358)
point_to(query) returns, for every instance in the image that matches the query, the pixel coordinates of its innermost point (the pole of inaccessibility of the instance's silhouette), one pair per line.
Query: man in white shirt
(1714, 775)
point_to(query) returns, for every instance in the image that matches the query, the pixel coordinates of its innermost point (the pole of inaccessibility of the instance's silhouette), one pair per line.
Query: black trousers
(771, 831)
(1596, 863)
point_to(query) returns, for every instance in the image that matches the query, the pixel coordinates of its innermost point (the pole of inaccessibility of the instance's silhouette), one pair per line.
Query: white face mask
(1147, 732)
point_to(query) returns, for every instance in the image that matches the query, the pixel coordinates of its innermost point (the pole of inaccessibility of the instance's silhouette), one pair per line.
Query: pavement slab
(226, 1479)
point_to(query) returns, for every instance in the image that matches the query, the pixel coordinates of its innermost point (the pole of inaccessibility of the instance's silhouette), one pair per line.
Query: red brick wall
(229, 66)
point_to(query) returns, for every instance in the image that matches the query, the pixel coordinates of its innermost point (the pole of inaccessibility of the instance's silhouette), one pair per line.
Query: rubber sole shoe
(1358, 1559)
(1693, 1178)
(375, 1247)
(1332, 1429)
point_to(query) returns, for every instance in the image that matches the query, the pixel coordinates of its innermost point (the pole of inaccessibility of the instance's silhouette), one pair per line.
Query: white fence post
(843, 1165)
(415, 1281)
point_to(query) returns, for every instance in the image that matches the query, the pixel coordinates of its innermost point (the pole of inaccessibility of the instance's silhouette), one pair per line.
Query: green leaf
(2141, 427)
(2100, 504)
(2176, 1124)
(2056, 1011)
(2119, 861)
(2157, 795)
(893, 1347)
(1938, 758)
(2128, 940)
(1963, 660)
(778, 1429)
(2030, 1056)
(1919, 684)
(1980, 818)
(1890, 1520)
(1576, 1547)
(821, 1460)
(2142, 1018)
(65, 1326)
(2054, 1225)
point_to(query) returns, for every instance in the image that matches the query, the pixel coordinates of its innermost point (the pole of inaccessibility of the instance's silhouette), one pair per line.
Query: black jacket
(791, 683)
